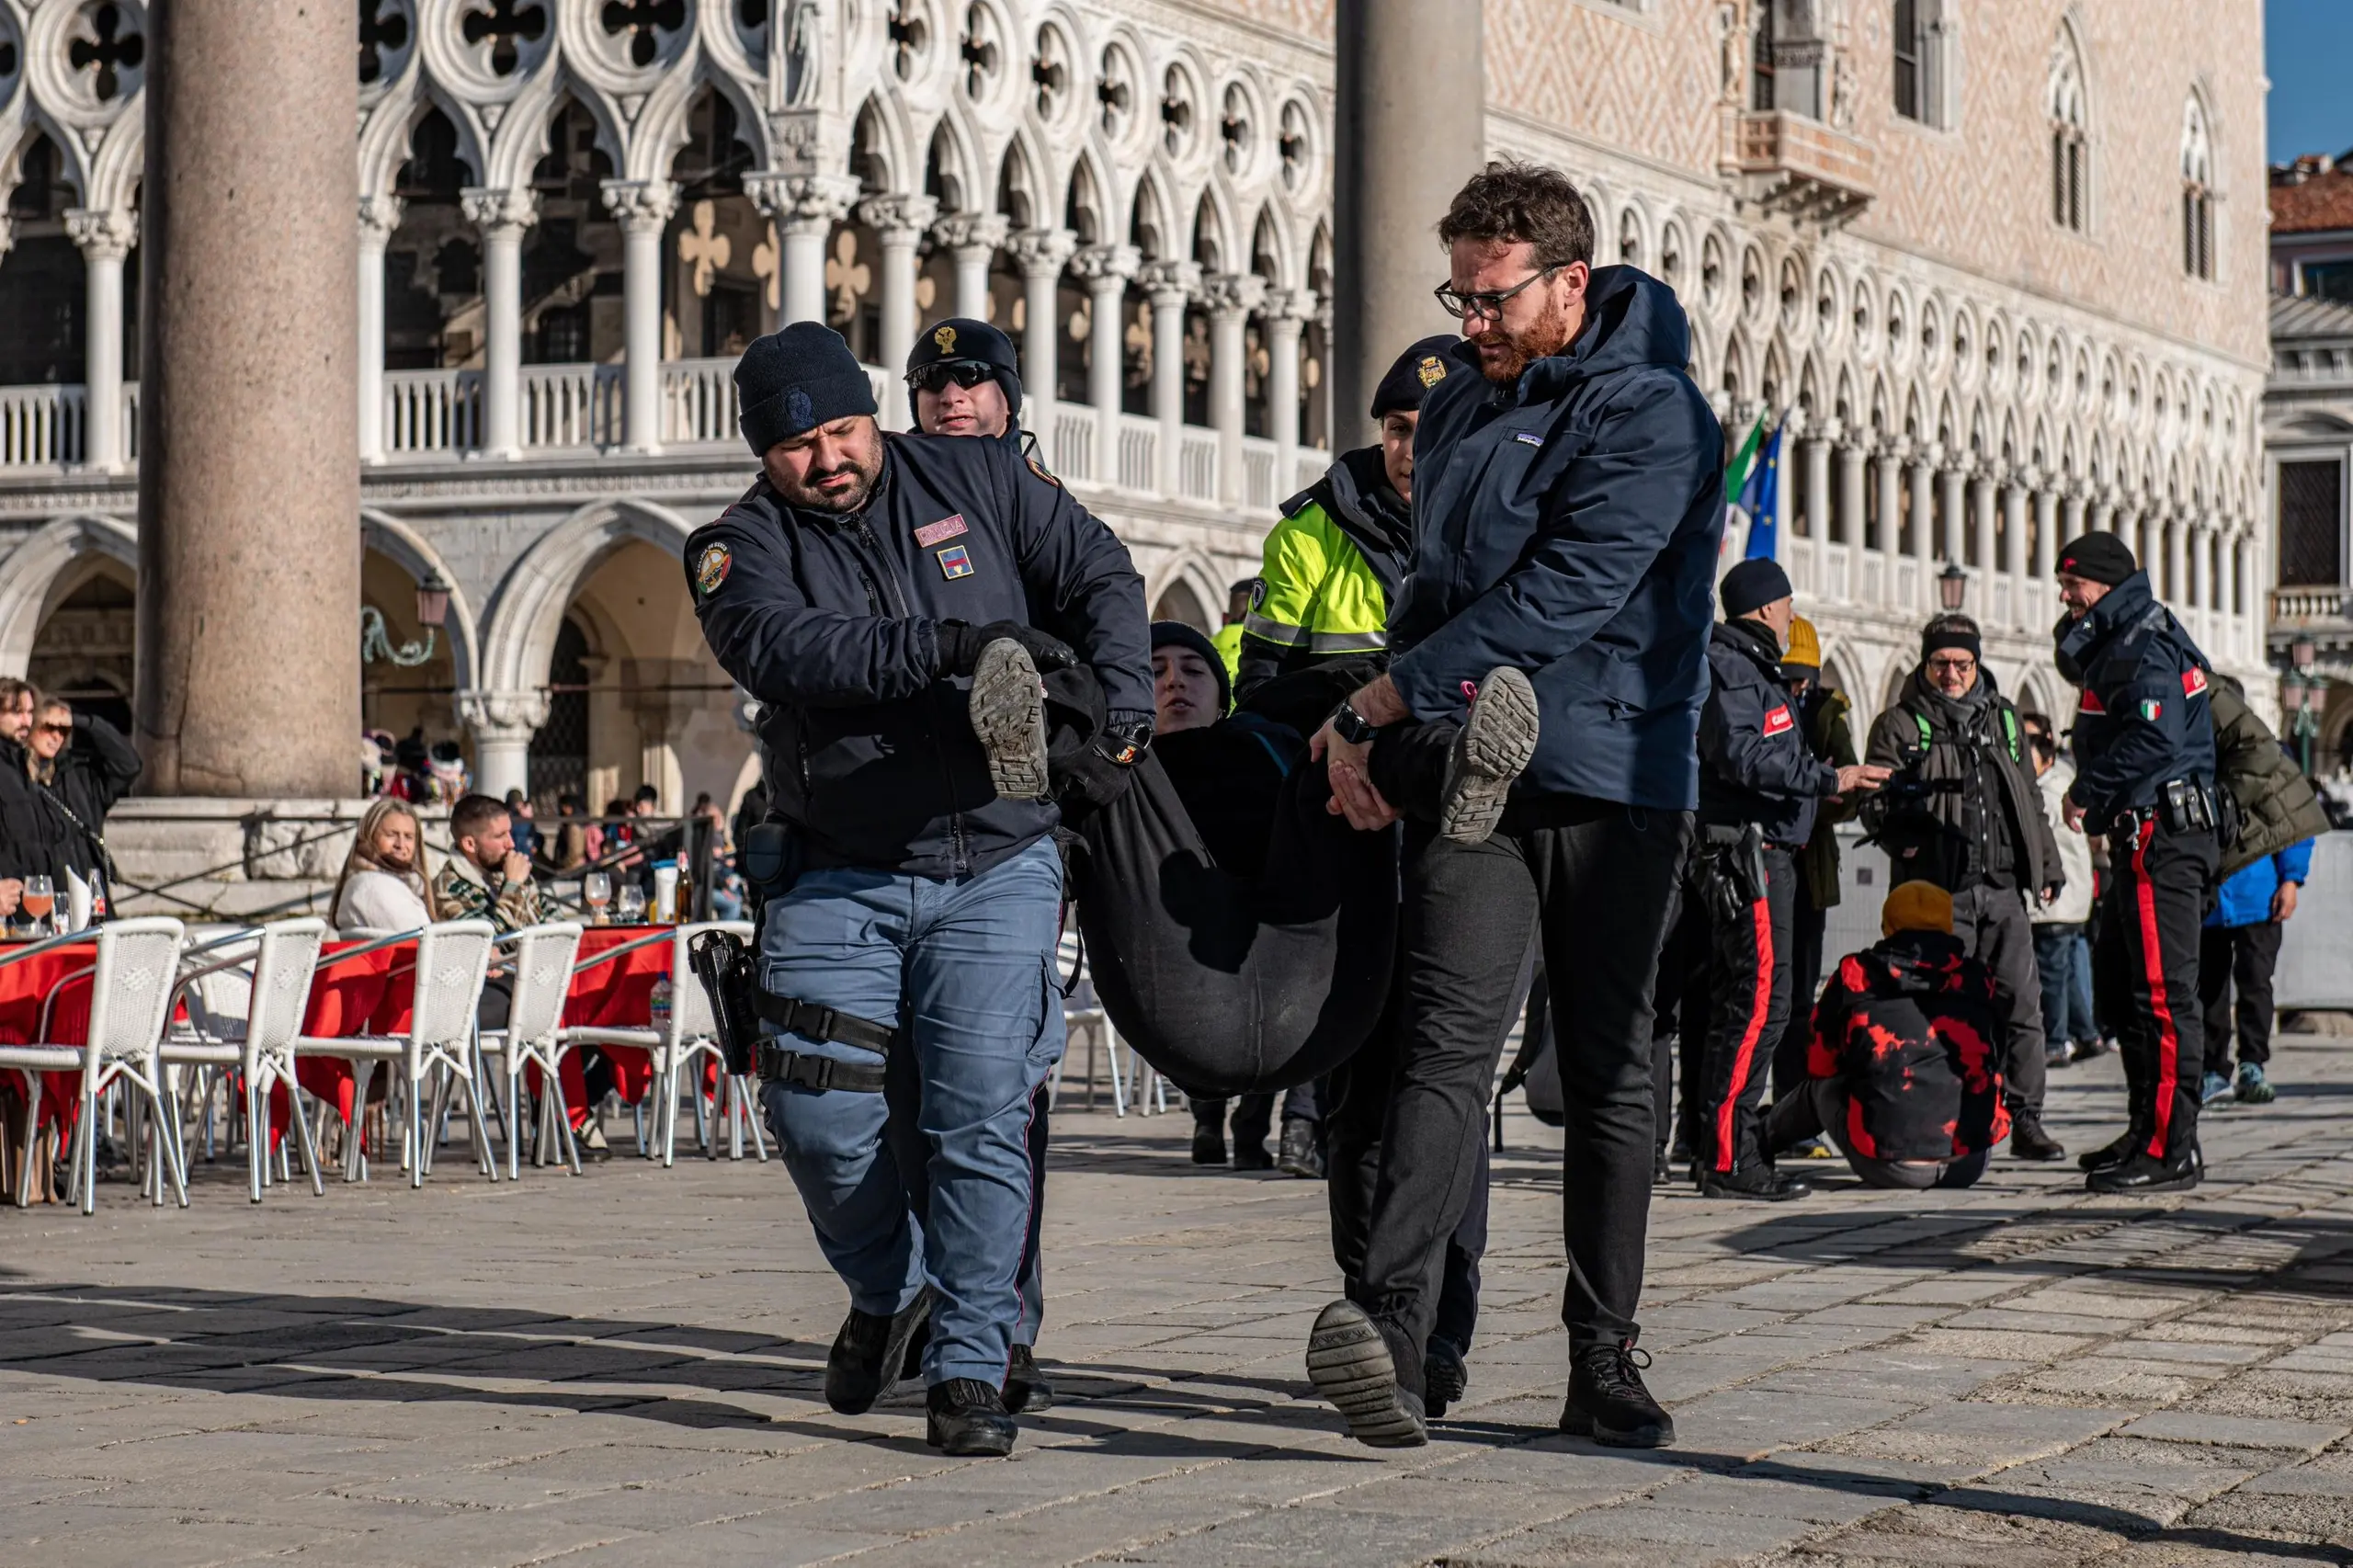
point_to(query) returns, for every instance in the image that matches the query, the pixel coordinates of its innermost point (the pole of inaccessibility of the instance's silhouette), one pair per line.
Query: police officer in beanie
(889, 600)
(1760, 785)
(2144, 776)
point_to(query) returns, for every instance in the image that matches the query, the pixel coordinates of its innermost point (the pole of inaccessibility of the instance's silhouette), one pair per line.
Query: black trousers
(1807, 924)
(1996, 929)
(2237, 959)
(2159, 881)
(1748, 998)
(1253, 1115)
(1596, 880)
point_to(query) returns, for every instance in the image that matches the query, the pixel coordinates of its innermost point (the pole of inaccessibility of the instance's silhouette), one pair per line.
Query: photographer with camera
(1964, 811)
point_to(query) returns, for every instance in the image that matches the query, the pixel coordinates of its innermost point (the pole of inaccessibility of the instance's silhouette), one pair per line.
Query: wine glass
(39, 902)
(596, 891)
(629, 905)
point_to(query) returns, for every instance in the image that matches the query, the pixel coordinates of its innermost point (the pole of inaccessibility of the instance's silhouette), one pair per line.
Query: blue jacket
(1755, 763)
(2244, 897)
(832, 622)
(2142, 719)
(1568, 526)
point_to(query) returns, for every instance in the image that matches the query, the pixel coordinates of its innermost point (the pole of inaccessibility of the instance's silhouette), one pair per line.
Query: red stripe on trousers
(1761, 913)
(2153, 963)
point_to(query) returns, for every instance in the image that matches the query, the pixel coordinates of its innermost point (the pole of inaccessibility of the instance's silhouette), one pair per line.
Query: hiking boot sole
(1350, 1365)
(1008, 713)
(1492, 752)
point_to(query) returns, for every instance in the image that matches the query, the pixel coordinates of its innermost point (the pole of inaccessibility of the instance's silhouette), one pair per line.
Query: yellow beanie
(1805, 647)
(1915, 906)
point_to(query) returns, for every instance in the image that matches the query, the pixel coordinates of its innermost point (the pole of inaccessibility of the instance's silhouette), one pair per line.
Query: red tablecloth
(618, 994)
(23, 988)
(369, 994)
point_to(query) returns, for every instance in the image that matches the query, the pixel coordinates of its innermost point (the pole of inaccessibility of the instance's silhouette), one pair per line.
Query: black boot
(2029, 1142)
(1299, 1156)
(1027, 1391)
(869, 1353)
(1444, 1378)
(1351, 1364)
(2116, 1152)
(1608, 1401)
(1757, 1182)
(1209, 1143)
(2178, 1170)
(965, 1418)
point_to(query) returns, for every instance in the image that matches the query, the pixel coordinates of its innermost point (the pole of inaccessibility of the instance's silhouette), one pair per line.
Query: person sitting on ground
(1905, 1067)
(382, 888)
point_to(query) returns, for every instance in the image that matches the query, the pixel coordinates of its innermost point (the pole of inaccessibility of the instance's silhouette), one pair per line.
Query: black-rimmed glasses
(1487, 304)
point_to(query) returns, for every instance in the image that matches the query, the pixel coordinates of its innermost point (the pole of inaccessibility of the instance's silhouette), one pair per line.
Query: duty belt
(781, 1063)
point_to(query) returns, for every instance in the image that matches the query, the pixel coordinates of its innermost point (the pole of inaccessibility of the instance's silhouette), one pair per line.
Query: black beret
(1175, 634)
(1418, 370)
(962, 337)
(2097, 558)
(796, 380)
(1752, 586)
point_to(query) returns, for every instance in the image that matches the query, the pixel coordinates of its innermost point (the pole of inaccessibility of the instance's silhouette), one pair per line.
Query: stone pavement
(624, 1369)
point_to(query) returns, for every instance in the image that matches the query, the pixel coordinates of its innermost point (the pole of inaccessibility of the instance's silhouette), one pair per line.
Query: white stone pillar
(501, 724)
(502, 216)
(1981, 523)
(1106, 270)
(972, 238)
(2178, 561)
(642, 207)
(1230, 296)
(2046, 532)
(898, 222)
(1040, 253)
(1924, 526)
(1887, 464)
(1172, 285)
(806, 207)
(105, 237)
(2014, 546)
(1814, 452)
(379, 216)
(2073, 517)
(1285, 317)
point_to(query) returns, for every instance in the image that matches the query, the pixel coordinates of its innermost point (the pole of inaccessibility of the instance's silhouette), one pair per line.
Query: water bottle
(662, 1002)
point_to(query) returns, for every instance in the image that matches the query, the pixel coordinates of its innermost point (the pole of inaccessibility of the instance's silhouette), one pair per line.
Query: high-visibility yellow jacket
(1332, 569)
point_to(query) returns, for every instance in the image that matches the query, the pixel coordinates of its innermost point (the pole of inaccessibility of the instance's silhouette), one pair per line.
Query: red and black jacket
(1909, 1027)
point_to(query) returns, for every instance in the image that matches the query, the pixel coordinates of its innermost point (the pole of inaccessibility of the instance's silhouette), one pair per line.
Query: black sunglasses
(965, 373)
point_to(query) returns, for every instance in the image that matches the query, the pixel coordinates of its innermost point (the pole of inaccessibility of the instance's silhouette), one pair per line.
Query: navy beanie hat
(1418, 370)
(1166, 633)
(2097, 558)
(1752, 586)
(795, 379)
(962, 337)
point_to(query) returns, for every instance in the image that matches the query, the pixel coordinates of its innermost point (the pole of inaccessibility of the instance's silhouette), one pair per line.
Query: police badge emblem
(1432, 370)
(711, 569)
(945, 338)
(955, 561)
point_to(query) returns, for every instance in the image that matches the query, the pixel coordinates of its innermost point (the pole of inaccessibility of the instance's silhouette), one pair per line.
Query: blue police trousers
(967, 968)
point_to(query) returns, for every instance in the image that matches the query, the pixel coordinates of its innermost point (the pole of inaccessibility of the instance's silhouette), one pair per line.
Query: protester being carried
(1905, 1070)
(382, 889)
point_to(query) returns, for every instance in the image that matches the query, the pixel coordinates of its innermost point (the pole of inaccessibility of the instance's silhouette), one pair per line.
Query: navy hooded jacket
(832, 624)
(2142, 718)
(1755, 765)
(1568, 526)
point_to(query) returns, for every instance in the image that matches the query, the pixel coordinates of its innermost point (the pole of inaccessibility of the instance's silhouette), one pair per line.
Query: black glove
(1123, 740)
(960, 645)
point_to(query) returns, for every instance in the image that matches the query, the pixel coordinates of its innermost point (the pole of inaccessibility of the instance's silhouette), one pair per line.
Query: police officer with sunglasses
(963, 380)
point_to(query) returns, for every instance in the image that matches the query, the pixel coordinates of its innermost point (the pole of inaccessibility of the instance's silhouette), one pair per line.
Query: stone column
(248, 640)
(1171, 286)
(1409, 127)
(1287, 313)
(2046, 532)
(1040, 253)
(1981, 523)
(2014, 545)
(501, 215)
(379, 216)
(1106, 269)
(1924, 527)
(972, 238)
(1888, 465)
(1814, 452)
(2178, 558)
(643, 208)
(1232, 296)
(806, 207)
(899, 222)
(501, 724)
(105, 237)
(1951, 509)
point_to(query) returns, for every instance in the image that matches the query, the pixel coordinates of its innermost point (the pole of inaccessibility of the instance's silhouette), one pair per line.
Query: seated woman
(382, 887)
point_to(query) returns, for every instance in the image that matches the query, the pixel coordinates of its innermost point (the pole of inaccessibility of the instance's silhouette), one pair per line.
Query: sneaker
(2213, 1087)
(1007, 709)
(1027, 1391)
(2088, 1049)
(964, 1417)
(1608, 1403)
(2058, 1056)
(590, 1141)
(2029, 1142)
(2145, 1173)
(869, 1353)
(1495, 743)
(1757, 1184)
(2254, 1088)
(1299, 1156)
(2114, 1154)
(1444, 1378)
(1350, 1365)
(1208, 1144)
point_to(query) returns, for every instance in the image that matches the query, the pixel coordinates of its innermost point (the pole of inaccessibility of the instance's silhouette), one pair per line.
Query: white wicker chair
(691, 1035)
(278, 962)
(130, 1000)
(533, 1035)
(451, 959)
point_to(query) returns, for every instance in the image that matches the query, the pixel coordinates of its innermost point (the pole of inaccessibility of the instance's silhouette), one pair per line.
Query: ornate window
(1922, 51)
(2070, 145)
(2196, 192)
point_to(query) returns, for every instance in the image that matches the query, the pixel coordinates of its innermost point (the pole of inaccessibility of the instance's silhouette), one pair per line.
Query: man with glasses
(1567, 512)
(1966, 814)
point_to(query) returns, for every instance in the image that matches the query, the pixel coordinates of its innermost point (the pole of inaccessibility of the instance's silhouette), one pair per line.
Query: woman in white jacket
(2062, 950)
(382, 887)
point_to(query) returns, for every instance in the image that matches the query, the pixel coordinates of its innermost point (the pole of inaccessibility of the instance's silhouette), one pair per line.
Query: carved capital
(973, 231)
(1041, 252)
(1291, 305)
(1098, 263)
(1233, 293)
(503, 715)
(899, 216)
(104, 233)
(499, 212)
(1172, 284)
(641, 204)
(379, 216)
(803, 203)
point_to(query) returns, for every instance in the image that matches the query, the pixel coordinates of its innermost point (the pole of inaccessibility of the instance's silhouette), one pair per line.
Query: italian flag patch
(2151, 709)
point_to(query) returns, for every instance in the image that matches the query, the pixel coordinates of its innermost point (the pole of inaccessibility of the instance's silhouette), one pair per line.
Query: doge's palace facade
(1999, 268)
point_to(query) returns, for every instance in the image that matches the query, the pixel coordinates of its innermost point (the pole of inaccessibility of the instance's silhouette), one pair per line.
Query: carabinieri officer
(889, 600)
(2144, 776)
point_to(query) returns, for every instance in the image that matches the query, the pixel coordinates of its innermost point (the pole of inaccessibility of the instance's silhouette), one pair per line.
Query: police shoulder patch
(2193, 681)
(711, 569)
(1039, 469)
(1777, 721)
(1431, 370)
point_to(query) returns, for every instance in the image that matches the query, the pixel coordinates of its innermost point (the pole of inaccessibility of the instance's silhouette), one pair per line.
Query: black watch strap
(1352, 726)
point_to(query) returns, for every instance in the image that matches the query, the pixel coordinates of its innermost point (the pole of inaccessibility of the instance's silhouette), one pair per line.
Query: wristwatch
(1352, 726)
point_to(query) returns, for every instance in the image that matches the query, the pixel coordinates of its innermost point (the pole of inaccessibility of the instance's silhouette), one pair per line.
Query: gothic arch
(1197, 574)
(28, 572)
(528, 609)
(413, 554)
